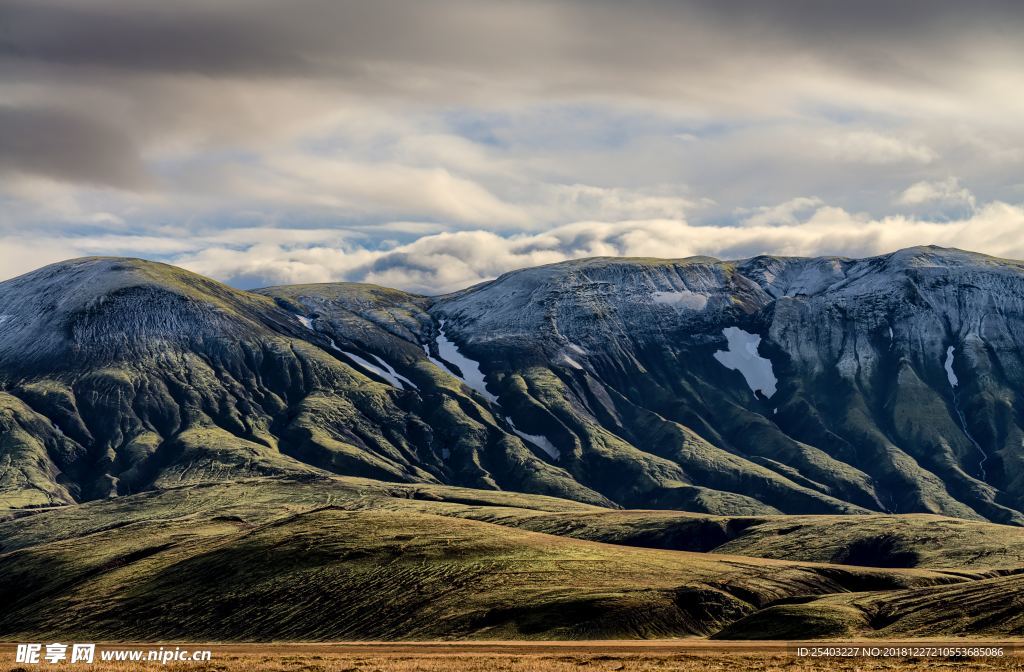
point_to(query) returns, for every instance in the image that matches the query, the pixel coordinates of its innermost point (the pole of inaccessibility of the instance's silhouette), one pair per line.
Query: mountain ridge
(607, 380)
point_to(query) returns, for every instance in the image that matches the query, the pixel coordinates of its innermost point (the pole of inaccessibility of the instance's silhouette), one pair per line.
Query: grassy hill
(991, 607)
(327, 558)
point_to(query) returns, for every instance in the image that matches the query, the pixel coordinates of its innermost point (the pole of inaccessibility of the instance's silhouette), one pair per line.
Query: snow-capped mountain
(771, 384)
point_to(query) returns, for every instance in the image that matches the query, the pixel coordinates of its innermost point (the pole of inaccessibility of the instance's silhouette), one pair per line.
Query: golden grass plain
(691, 655)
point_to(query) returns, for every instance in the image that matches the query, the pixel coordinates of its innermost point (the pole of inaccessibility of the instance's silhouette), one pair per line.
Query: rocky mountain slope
(769, 385)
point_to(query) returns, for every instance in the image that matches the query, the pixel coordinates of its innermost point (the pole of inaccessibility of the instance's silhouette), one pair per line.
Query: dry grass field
(696, 655)
(299, 560)
(279, 561)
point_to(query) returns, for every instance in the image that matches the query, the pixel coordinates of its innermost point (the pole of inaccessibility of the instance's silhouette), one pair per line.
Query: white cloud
(449, 260)
(270, 263)
(946, 191)
(783, 214)
(568, 202)
(872, 147)
(357, 189)
(452, 260)
(23, 254)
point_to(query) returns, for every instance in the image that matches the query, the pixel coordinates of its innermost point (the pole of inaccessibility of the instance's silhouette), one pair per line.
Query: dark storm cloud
(64, 146)
(353, 39)
(880, 39)
(865, 18)
(155, 66)
(457, 51)
(144, 36)
(232, 71)
(251, 39)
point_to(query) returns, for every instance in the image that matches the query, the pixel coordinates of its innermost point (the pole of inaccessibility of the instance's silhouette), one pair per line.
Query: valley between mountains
(606, 448)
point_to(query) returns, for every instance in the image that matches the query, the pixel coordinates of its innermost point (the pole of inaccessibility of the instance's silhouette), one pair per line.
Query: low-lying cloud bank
(447, 261)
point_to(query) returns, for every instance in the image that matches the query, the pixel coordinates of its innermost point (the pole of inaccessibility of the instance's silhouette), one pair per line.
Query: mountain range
(604, 448)
(756, 387)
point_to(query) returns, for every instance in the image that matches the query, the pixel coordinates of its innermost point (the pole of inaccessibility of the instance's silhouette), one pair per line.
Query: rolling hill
(334, 558)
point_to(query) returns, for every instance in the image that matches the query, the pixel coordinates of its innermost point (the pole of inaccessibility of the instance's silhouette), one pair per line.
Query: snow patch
(393, 377)
(382, 369)
(4, 318)
(541, 442)
(953, 383)
(370, 366)
(742, 356)
(815, 278)
(471, 373)
(950, 374)
(684, 299)
(572, 362)
(396, 374)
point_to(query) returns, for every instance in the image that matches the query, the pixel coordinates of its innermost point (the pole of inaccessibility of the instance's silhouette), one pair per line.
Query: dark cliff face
(766, 385)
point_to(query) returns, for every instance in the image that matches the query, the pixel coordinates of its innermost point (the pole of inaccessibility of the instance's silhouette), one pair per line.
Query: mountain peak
(933, 255)
(91, 306)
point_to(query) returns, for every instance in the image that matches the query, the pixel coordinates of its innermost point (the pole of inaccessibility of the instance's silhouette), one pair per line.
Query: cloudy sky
(431, 144)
